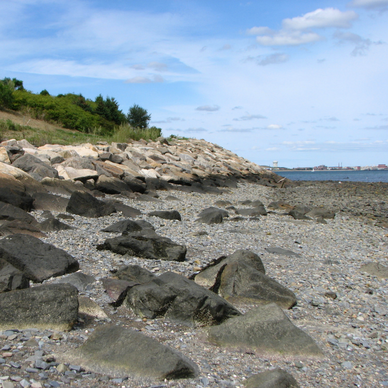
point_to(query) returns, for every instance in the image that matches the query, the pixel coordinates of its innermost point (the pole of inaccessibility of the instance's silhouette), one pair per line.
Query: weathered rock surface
(166, 214)
(119, 351)
(266, 329)
(11, 278)
(128, 226)
(35, 167)
(212, 215)
(52, 307)
(276, 378)
(46, 201)
(13, 192)
(149, 246)
(79, 280)
(84, 204)
(180, 300)
(38, 261)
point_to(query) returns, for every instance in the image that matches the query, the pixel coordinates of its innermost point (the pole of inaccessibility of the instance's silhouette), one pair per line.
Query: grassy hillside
(70, 118)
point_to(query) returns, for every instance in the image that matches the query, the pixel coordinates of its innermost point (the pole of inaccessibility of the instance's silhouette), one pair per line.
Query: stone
(90, 308)
(53, 225)
(134, 184)
(111, 185)
(78, 279)
(61, 186)
(84, 204)
(166, 214)
(321, 212)
(11, 278)
(35, 167)
(266, 329)
(119, 352)
(135, 273)
(53, 307)
(37, 260)
(180, 300)
(117, 289)
(127, 211)
(252, 212)
(10, 213)
(239, 282)
(212, 215)
(128, 226)
(149, 246)
(13, 192)
(20, 227)
(299, 213)
(76, 174)
(276, 378)
(46, 201)
(208, 276)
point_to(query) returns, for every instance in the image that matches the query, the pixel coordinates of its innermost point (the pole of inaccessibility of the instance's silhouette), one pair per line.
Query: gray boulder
(166, 214)
(79, 280)
(135, 273)
(267, 329)
(36, 259)
(35, 167)
(126, 210)
(13, 192)
(46, 201)
(299, 212)
(179, 299)
(111, 185)
(53, 225)
(117, 290)
(11, 278)
(239, 282)
(119, 352)
(208, 276)
(212, 215)
(128, 226)
(276, 378)
(146, 245)
(53, 307)
(84, 204)
(10, 213)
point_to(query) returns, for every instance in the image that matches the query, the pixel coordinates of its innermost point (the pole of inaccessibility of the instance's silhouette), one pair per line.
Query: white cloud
(274, 126)
(144, 80)
(208, 108)
(369, 4)
(288, 38)
(362, 45)
(272, 59)
(250, 117)
(321, 18)
(298, 30)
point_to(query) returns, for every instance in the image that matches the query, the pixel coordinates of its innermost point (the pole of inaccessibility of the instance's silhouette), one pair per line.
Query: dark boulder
(111, 185)
(128, 226)
(35, 167)
(79, 280)
(53, 307)
(36, 259)
(11, 278)
(212, 215)
(84, 204)
(10, 213)
(53, 225)
(135, 273)
(148, 245)
(13, 192)
(180, 300)
(46, 201)
(119, 352)
(166, 214)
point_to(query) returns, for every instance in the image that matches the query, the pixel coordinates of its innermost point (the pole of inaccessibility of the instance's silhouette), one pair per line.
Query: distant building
(382, 166)
(275, 165)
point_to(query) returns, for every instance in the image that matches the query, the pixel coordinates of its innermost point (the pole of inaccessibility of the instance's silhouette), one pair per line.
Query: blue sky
(301, 82)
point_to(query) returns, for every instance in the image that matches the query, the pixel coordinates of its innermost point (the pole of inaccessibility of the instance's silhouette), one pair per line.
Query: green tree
(6, 96)
(138, 117)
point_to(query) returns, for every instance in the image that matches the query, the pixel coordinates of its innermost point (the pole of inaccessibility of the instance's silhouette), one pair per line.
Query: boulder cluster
(72, 180)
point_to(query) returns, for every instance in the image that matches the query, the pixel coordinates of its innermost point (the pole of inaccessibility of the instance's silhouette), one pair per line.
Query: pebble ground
(342, 308)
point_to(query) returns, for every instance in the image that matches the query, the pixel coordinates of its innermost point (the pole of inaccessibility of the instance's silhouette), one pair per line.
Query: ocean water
(338, 176)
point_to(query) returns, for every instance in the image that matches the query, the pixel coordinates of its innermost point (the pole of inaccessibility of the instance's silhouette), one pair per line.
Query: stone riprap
(334, 268)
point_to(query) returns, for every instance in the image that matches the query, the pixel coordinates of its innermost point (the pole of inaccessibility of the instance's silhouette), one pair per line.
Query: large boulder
(11, 278)
(35, 167)
(266, 329)
(84, 204)
(208, 276)
(212, 215)
(128, 226)
(179, 299)
(119, 352)
(37, 260)
(53, 307)
(10, 213)
(147, 245)
(135, 273)
(81, 281)
(275, 378)
(13, 192)
(166, 214)
(46, 201)
(111, 185)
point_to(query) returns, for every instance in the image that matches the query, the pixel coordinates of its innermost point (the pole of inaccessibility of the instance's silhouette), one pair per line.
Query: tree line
(73, 111)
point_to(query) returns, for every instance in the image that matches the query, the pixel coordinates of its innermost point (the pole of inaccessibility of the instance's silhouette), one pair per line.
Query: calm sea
(350, 176)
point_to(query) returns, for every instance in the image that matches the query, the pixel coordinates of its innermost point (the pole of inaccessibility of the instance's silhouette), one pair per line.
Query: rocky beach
(180, 264)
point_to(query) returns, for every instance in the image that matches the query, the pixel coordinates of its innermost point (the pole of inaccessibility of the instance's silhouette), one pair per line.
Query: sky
(301, 82)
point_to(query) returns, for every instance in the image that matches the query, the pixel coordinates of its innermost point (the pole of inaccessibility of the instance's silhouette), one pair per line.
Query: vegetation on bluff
(100, 119)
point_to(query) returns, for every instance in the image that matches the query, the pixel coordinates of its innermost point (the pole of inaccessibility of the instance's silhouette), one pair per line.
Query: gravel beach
(341, 307)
